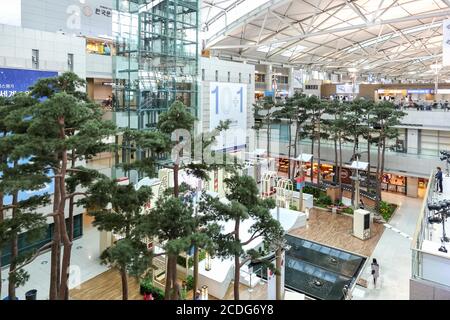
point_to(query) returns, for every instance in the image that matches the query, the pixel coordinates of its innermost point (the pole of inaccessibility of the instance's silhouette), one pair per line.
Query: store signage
(391, 91)
(269, 93)
(20, 80)
(420, 91)
(346, 89)
(88, 18)
(228, 101)
(446, 43)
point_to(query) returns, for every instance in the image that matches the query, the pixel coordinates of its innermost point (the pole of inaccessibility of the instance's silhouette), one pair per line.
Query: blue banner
(20, 80)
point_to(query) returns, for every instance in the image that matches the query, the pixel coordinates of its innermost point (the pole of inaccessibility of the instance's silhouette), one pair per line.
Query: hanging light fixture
(207, 262)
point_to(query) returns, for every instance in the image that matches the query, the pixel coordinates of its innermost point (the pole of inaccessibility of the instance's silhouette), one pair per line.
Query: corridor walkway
(393, 253)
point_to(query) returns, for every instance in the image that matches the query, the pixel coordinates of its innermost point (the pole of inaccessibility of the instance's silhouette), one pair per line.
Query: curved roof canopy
(388, 37)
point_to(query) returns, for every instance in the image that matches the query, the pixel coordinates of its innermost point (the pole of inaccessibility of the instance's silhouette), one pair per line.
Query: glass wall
(157, 56)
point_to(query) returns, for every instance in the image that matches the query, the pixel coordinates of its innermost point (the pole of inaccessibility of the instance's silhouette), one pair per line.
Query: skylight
(267, 49)
(292, 51)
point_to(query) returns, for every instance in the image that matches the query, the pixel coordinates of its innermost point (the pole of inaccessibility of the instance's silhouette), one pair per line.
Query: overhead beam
(355, 8)
(437, 14)
(265, 8)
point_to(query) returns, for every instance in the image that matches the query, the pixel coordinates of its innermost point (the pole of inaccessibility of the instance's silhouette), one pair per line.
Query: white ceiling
(397, 38)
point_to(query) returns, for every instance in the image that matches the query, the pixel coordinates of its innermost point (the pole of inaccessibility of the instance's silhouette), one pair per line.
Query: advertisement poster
(228, 101)
(11, 82)
(19, 80)
(446, 44)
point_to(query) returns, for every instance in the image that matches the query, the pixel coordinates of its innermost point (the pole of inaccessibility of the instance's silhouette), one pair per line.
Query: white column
(413, 140)
(291, 82)
(269, 74)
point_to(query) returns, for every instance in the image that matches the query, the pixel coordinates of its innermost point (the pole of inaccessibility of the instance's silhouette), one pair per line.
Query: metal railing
(422, 233)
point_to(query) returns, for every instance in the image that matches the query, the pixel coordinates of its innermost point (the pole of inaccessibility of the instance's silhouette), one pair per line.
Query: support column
(291, 82)
(269, 74)
(412, 188)
(412, 140)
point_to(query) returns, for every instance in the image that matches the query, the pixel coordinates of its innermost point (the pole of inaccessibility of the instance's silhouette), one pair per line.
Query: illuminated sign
(19, 80)
(420, 91)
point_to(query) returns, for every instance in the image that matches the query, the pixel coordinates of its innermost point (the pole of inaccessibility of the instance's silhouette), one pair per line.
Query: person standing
(375, 271)
(439, 179)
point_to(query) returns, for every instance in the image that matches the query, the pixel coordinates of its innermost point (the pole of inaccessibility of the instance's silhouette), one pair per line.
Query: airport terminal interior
(224, 150)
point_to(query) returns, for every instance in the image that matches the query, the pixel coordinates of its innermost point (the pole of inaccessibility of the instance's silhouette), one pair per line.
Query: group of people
(421, 105)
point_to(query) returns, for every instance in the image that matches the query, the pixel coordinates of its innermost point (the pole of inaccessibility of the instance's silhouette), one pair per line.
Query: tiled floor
(393, 253)
(336, 230)
(85, 265)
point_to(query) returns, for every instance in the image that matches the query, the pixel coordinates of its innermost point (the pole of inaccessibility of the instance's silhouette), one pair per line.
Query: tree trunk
(268, 135)
(14, 252)
(368, 179)
(124, 277)
(175, 180)
(63, 285)
(289, 149)
(335, 178)
(312, 159)
(194, 287)
(1, 221)
(379, 177)
(174, 289)
(297, 129)
(237, 262)
(278, 276)
(319, 171)
(340, 168)
(355, 147)
(56, 243)
(168, 278)
(383, 154)
(71, 203)
(236, 276)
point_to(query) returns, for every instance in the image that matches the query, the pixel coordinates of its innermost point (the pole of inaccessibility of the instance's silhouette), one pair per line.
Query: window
(203, 74)
(283, 79)
(260, 78)
(240, 77)
(311, 87)
(70, 61)
(217, 75)
(229, 76)
(35, 58)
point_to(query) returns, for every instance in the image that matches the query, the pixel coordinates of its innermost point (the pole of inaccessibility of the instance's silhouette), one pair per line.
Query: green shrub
(324, 200)
(387, 209)
(182, 260)
(147, 287)
(189, 282)
(348, 210)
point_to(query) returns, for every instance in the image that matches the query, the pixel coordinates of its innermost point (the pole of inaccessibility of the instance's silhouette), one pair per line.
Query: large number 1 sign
(228, 102)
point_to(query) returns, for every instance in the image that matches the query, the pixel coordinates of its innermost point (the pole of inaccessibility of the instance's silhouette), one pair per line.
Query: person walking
(375, 271)
(439, 179)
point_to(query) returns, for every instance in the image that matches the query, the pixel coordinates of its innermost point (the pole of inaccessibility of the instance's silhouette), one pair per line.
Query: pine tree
(118, 209)
(244, 204)
(20, 170)
(65, 123)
